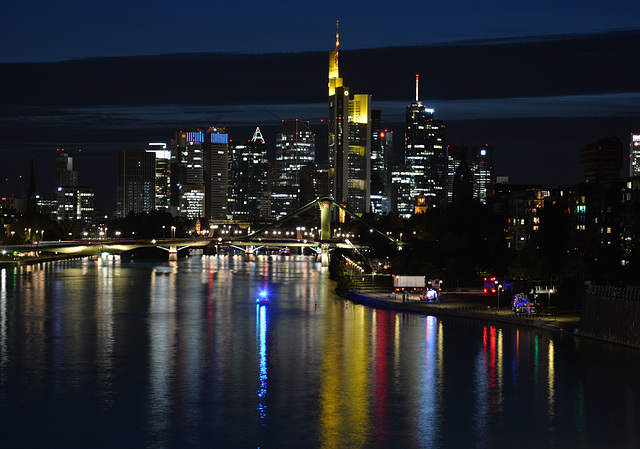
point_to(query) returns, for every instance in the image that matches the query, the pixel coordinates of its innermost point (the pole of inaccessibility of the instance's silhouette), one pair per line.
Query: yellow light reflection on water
(345, 384)
(551, 382)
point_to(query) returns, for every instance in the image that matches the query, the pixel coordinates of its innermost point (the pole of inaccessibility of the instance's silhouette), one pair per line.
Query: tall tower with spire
(426, 153)
(338, 128)
(349, 140)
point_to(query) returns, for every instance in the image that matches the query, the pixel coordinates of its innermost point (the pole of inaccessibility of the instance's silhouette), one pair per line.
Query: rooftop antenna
(257, 135)
(337, 33)
(417, 77)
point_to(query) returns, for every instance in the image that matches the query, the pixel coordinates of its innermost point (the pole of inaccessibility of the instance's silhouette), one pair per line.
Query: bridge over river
(250, 243)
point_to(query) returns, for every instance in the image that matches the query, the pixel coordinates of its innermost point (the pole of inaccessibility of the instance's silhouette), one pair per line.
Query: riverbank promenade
(476, 306)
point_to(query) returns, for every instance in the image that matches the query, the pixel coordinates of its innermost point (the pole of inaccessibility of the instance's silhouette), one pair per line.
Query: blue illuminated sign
(219, 138)
(195, 136)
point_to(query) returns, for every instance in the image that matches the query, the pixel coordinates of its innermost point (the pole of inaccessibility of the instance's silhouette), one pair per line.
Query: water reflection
(429, 386)
(261, 320)
(162, 345)
(104, 330)
(180, 355)
(4, 353)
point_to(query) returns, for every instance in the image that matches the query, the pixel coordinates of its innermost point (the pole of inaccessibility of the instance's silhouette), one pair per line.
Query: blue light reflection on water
(124, 354)
(262, 342)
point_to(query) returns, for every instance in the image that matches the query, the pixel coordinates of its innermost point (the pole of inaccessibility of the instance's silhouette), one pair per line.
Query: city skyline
(536, 132)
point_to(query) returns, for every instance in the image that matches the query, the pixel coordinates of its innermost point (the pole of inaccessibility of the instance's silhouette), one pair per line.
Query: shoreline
(458, 306)
(454, 305)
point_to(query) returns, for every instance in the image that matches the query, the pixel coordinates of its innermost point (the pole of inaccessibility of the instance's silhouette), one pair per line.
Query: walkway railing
(612, 291)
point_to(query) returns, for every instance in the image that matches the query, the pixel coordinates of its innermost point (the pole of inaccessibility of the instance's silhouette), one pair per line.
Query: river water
(164, 354)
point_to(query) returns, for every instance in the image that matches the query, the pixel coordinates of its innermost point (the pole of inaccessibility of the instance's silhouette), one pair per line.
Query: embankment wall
(612, 315)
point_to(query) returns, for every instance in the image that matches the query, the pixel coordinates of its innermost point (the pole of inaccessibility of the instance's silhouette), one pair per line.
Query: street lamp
(498, 287)
(173, 232)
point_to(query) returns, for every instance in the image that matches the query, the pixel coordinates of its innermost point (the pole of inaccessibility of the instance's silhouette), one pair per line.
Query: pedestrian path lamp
(498, 287)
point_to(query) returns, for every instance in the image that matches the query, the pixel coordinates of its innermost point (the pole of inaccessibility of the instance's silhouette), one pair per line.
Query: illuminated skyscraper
(216, 173)
(482, 169)
(187, 152)
(186, 168)
(136, 182)
(634, 155)
(248, 171)
(76, 204)
(199, 174)
(163, 175)
(72, 202)
(426, 154)
(381, 148)
(295, 149)
(349, 141)
(401, 191)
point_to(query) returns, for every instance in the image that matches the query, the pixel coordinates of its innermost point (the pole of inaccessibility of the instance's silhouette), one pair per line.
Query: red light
(485, 290)
(382, 134)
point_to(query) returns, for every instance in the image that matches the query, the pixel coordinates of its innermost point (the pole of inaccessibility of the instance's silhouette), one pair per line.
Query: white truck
(409, 281)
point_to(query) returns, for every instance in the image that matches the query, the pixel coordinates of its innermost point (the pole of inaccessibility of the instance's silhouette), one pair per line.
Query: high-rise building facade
(359, 161)
(73, 202)
(349, 141)
(216, 174)
(455, 156)
(199, 174)
(76, 204)
(462, 186)
(295, 149)
(426, 154)
(163, 175)
(402, 202)
(136, 182)
(186, 165)
(314, 183)
(482, 169)
(381, 148)
(66, 176)
(634, 155)
(602, 160)
(248, 171)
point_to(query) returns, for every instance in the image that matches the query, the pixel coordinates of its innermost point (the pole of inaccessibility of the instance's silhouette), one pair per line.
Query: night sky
(38, 30)
(74, 75)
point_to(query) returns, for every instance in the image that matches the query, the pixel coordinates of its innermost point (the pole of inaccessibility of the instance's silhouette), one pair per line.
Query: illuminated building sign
(195, 136)
(219, 138)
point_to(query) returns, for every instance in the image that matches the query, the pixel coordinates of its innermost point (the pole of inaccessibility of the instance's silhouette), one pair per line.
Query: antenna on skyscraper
(337, 33)
(417, 77)
(257, 135)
